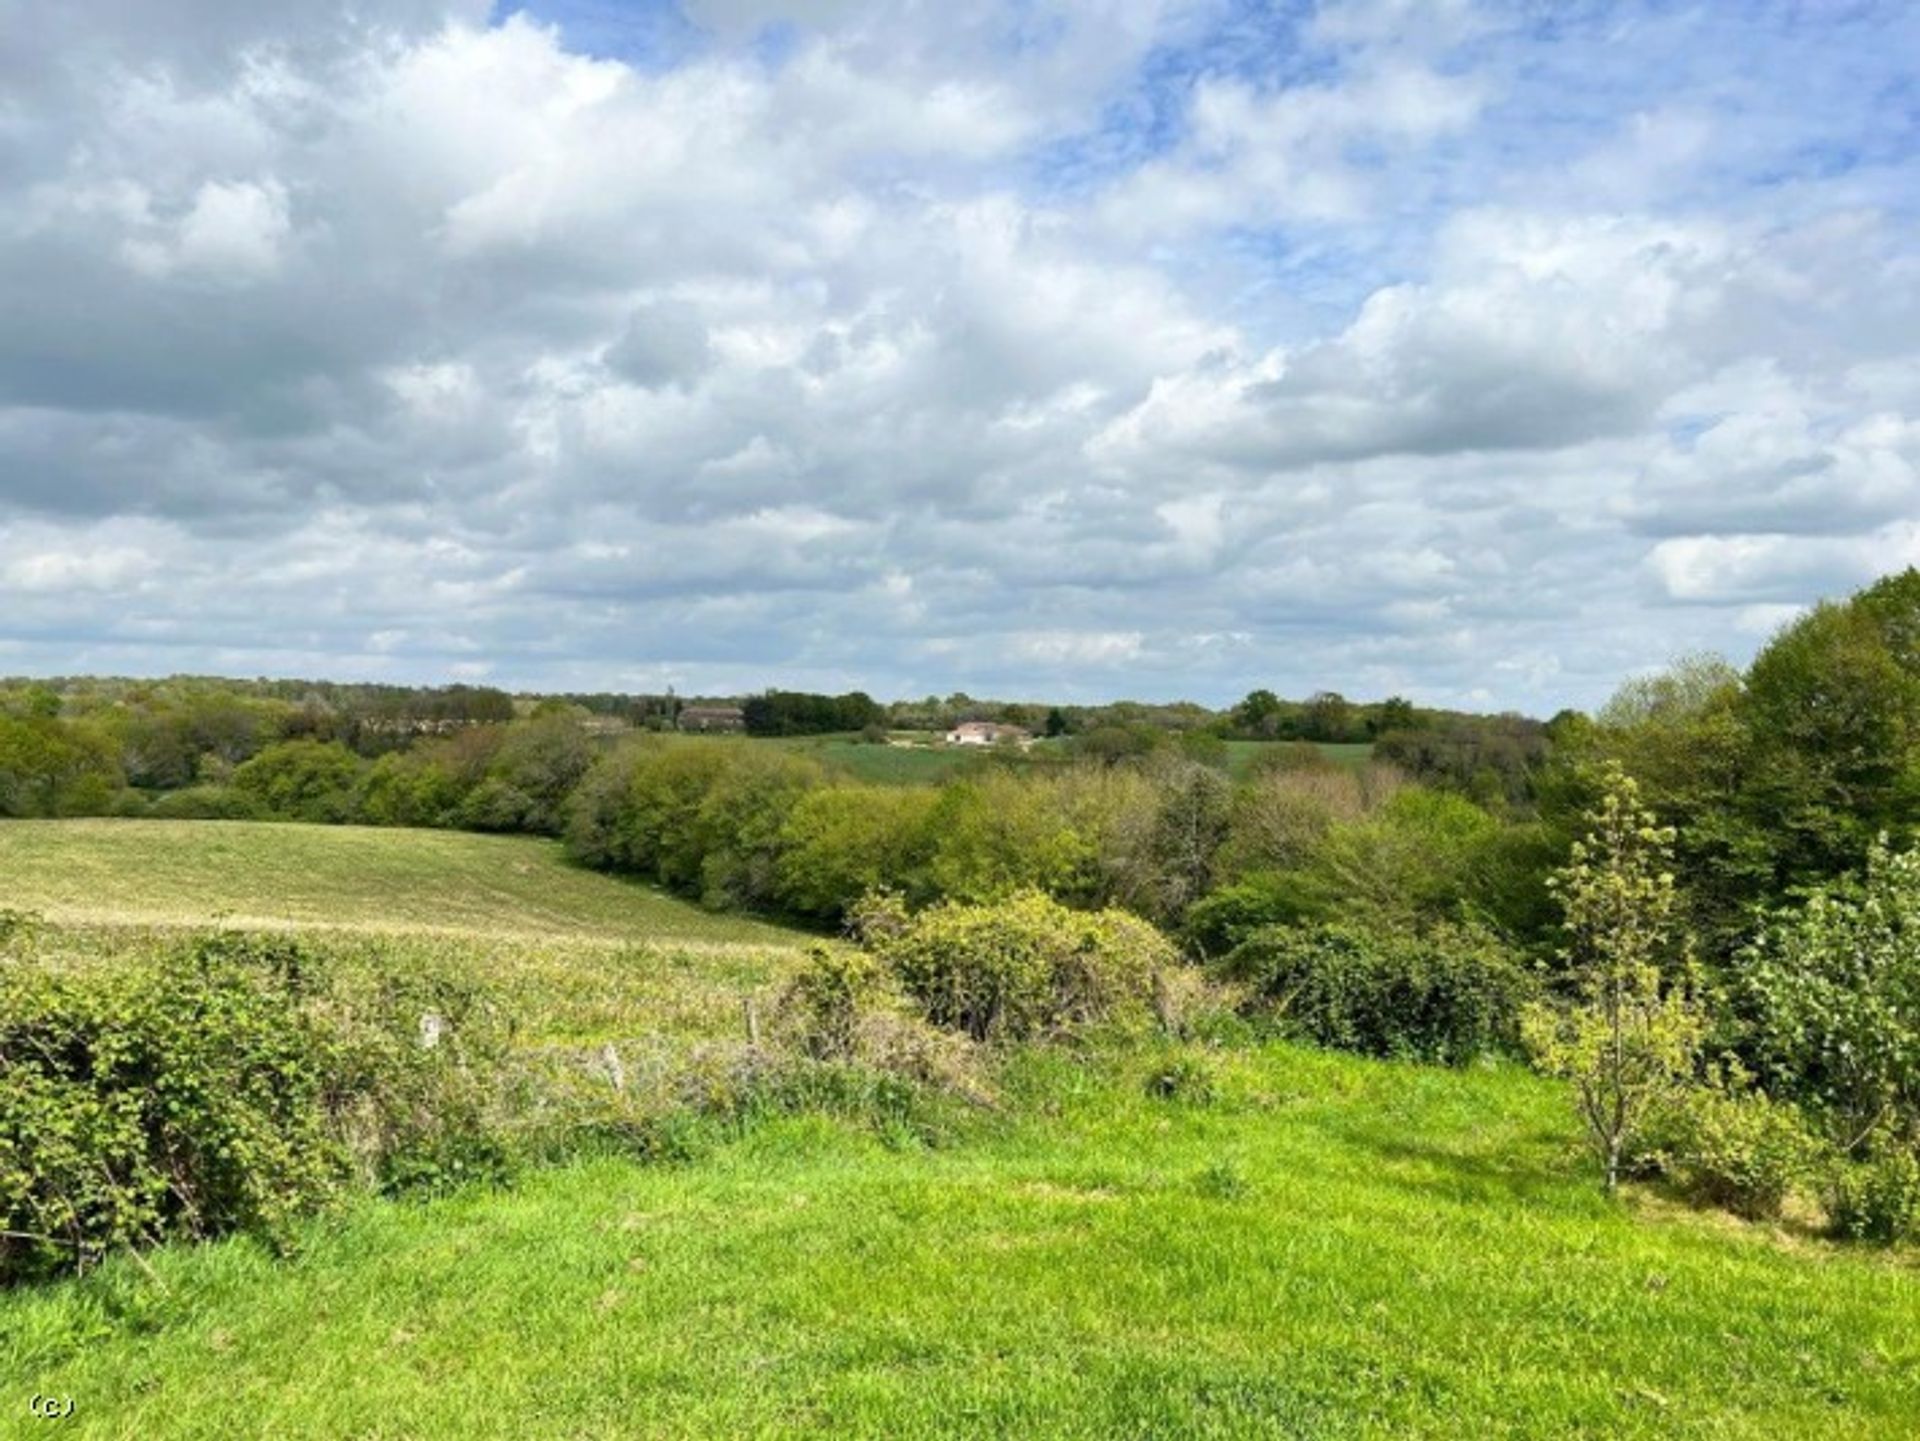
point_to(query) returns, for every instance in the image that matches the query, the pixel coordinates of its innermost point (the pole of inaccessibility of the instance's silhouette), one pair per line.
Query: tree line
(1700, 904)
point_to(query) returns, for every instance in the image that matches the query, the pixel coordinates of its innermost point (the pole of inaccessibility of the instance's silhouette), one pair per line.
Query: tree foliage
(1629, 1041)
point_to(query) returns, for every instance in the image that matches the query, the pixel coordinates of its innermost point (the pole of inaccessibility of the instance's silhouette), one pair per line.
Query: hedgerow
(230, 1083)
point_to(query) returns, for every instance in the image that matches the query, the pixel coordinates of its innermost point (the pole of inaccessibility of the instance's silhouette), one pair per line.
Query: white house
(986, 733)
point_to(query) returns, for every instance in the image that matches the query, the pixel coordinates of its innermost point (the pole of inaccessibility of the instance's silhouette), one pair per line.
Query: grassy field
(1328, 1247)
(1332, 1248)
(1242, 754)
(899, 765)
(347, 878)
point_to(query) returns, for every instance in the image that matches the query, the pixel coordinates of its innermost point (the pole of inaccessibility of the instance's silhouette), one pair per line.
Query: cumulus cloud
(1141, 346)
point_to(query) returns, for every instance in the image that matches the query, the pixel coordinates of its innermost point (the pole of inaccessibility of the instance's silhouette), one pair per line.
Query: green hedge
(233, 1083)
(1448, 995)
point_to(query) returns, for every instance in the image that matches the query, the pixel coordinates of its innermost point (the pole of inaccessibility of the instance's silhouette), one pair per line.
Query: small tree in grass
(1630, 1040)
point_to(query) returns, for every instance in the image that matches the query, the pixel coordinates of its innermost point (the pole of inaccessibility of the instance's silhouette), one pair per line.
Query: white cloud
(1128, 346)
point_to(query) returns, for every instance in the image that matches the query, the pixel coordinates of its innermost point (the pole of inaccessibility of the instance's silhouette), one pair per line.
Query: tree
(1328, 717)
(1395, 713)
(1835, 720)
(302, 780)
(1681, 734)
(1258, 715)
(1057, 723)
(1629, 1042)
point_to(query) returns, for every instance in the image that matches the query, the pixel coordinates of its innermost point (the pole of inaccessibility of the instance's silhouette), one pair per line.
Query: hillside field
(390, 881)
(1323, 1247)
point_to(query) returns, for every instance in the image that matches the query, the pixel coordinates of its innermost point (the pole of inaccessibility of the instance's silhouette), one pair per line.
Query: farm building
(712, 718)
(986, 733)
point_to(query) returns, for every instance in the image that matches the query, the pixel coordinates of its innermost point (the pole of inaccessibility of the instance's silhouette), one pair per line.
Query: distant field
(1242, 754)
(928, 765)
(1333, 1248)
(880, 764)
(349, 878)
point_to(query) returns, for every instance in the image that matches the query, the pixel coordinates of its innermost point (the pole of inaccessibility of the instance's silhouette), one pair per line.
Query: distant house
(986, 733)
(712, 718)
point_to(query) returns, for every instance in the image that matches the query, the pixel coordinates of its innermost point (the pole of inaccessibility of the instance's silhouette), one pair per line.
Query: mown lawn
(244, 873)
(1332, 1248)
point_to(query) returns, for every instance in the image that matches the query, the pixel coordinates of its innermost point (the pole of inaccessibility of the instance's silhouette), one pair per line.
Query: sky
(1484, 353)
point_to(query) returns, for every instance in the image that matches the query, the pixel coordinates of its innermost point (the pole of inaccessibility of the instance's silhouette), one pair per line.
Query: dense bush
(1736, 1148)
(206, 803)
(303, 780)
(530, 777)
(1877, 1198)
(657, 830)
(1448, 995)
(1832, 995)
(48, 768)
(1233, 914)
(840, 842)
(232, 1085)
(797, 713)
(741, 824)
(1024, 967)
(410, 788)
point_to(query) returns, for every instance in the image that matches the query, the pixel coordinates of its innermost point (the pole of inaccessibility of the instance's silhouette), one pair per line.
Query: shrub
(206, 803)
(1449, 995)
(1833, 993)
(827, 997)
(1026, 966)
(136, 1105)
(1232, 915)
(17, 927)
(1877, 1199)
(1737, 1149)
(227, 1086)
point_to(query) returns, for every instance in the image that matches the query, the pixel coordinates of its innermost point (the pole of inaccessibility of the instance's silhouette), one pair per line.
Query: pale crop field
(390, 881)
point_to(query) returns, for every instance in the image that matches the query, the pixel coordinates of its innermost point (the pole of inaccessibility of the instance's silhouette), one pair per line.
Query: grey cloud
(664, 341)
(406, 346)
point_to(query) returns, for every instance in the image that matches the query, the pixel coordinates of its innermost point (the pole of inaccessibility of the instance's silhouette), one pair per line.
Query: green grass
(913, 764)
(1242, 754)
(1334, 1248)
(345, 878)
